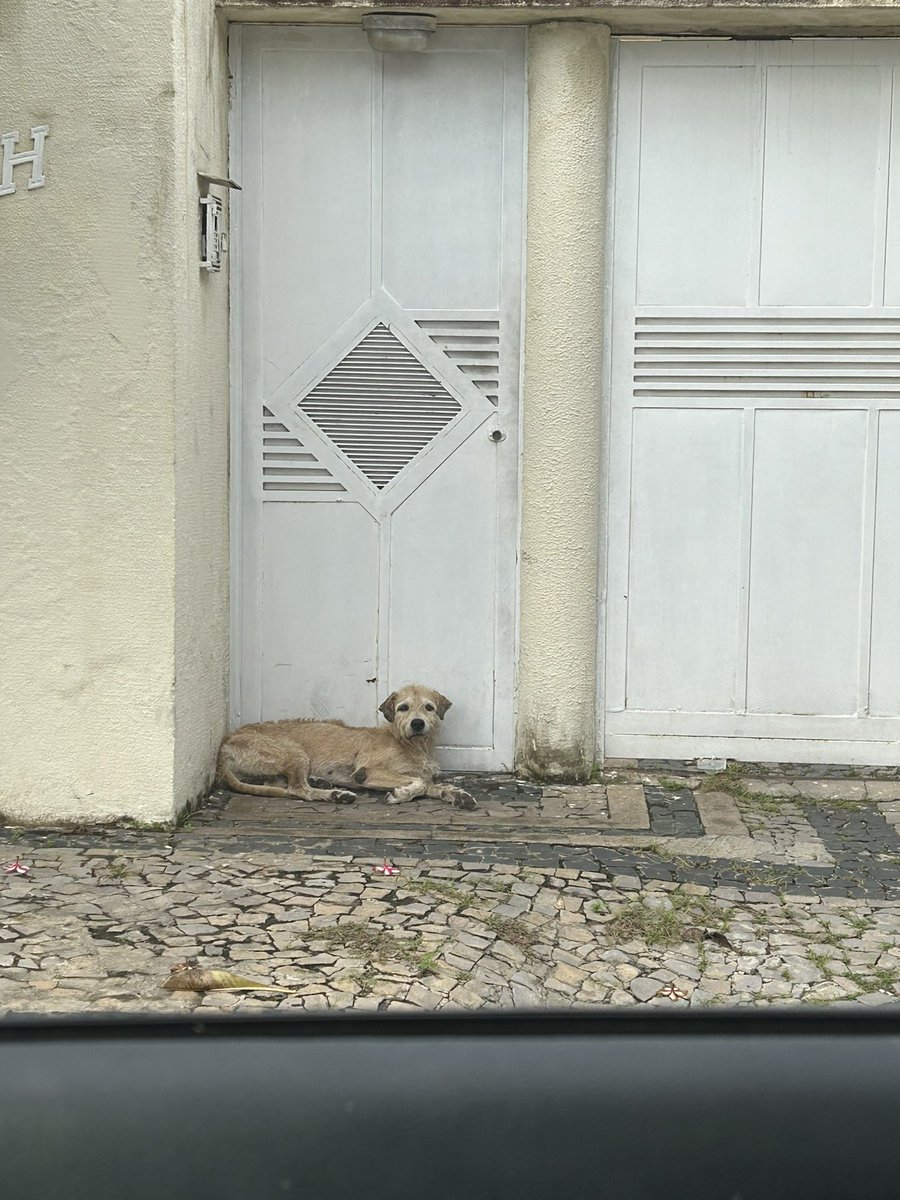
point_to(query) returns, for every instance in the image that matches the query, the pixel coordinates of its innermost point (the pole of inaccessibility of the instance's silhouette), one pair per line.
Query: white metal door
(753, 605)
(378, 281)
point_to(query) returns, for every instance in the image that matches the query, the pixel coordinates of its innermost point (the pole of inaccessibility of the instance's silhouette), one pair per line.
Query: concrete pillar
(567, 153)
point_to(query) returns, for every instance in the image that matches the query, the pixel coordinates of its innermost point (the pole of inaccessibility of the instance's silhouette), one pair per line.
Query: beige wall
(201, 416)
(111, 421)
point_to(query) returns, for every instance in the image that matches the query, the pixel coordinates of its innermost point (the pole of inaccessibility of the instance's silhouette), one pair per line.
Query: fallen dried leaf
(198, 979)
(671, 992)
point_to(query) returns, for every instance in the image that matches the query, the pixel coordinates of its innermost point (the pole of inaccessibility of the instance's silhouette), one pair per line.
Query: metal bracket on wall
(213, 242)
(212, 237)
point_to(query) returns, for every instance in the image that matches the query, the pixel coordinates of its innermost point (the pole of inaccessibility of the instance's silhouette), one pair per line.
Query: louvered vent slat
(380, 406)
(473, 347)
(759, 354)
(288, 465)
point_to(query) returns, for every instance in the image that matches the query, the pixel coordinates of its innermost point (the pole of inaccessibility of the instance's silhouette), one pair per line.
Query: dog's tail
(231, 781)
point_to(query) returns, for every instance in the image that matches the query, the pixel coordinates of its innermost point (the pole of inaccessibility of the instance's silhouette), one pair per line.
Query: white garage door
(378, 285)
(754, 540)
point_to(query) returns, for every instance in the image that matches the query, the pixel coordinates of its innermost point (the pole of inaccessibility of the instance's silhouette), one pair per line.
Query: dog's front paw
(401, 794)
(461, 799)
(341, 797)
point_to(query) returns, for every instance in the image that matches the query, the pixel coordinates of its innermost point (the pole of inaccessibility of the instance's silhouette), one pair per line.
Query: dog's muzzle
(417, 725)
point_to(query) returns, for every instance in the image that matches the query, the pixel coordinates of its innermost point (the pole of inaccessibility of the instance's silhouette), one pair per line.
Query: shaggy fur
(397, 758)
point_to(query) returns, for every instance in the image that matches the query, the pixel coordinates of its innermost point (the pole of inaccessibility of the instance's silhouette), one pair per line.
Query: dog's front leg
(408, 791)
(452, 795)
(400, 788)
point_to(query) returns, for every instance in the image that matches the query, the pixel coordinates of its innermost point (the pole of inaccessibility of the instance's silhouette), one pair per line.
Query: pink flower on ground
(387, 869)
(17, 868)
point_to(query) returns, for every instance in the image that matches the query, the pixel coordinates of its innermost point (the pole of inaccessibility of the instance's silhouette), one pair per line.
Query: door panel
(823, 183)
(443, 192)
(754, 400)
(695, 228)
(379, 279)
(683, 582)
(805, 562)
(442, 593)
(316, 622)
(314, 158)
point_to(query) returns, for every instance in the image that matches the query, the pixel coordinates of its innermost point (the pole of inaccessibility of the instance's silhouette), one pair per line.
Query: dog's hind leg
(257, 756)
(234, 783)
(333, 795)
(296, 767)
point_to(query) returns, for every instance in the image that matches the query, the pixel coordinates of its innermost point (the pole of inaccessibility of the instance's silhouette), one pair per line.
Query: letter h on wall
(10, 159)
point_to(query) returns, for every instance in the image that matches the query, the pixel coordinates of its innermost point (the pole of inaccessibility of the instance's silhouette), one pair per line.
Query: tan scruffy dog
(397, 758)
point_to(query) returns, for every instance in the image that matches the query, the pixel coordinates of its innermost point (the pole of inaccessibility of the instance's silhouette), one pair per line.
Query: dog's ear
(387, 709)
(441, 703)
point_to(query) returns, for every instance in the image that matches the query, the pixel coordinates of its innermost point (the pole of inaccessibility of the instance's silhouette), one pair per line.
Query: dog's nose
(417, 724)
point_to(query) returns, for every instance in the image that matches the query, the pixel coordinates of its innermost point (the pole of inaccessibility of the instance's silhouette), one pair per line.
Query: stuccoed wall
(101, 328)
(201, 414)
(568, 67)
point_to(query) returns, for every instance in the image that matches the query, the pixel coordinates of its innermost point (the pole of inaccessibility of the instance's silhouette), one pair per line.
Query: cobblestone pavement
(653, 886)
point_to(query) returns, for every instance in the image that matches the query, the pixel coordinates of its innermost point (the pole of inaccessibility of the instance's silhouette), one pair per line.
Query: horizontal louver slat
(284, 485)
(473, 347)
(380, 406)
(763, 355)
(281, 459)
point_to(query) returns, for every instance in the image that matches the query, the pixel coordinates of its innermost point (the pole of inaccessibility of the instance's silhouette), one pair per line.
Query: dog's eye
(429, 708)
(402, 708)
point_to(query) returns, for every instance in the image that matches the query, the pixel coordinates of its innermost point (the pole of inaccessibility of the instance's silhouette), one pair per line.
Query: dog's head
(415, 711)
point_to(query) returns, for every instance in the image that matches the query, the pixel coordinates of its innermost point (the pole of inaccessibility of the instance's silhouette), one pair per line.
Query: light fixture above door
(405, 32)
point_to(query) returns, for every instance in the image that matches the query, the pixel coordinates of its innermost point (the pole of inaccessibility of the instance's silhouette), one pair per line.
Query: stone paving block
(586, 799)
(572, 975)
(621, 999)
(832, 789)
(881, 791)
(719, 814)
(644, 987)
(779, 789)
(465, 996)
(627, 806)
(626, 883)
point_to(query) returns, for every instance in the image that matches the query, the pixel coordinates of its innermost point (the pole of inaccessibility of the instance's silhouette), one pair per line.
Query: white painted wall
(112, 419)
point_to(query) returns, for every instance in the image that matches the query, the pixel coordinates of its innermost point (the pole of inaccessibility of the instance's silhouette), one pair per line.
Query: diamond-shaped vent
(380, 406)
